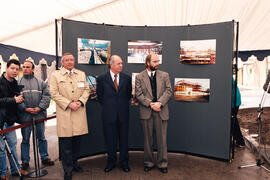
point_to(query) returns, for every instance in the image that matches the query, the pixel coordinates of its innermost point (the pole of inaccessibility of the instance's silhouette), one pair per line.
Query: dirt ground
(248, 120)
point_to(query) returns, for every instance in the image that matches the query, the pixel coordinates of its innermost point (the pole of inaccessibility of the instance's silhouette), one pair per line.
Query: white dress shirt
(149, 73)
(112, 75)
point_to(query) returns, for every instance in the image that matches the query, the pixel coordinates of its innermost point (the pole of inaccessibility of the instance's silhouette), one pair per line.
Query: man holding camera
(9, 98)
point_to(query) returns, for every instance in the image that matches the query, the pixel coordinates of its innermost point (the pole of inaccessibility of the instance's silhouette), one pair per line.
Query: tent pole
(235, 70)
(56, 44)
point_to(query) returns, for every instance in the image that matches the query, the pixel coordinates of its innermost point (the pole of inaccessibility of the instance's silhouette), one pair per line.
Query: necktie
(152, 76)
(115, 82)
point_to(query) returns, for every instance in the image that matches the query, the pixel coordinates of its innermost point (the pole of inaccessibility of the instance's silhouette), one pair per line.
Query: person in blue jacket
(235, 107)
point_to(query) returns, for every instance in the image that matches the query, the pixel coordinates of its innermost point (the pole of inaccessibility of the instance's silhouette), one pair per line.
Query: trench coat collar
(63, 71)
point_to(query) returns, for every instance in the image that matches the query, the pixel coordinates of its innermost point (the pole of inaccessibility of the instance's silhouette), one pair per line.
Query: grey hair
(66, 54)
(113, 57)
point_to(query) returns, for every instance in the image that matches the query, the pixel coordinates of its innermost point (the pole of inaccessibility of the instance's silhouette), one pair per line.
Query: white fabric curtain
(30, 24)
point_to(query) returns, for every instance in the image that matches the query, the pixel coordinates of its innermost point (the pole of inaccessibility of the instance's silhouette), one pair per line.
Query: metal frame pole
(38, 172)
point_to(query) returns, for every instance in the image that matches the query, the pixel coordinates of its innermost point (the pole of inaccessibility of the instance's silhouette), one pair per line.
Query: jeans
(12, 142)
(42, 142)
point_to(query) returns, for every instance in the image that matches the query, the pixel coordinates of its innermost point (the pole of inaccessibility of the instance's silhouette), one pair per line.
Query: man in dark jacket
(114, 93)
(9, 98)
(36, 101)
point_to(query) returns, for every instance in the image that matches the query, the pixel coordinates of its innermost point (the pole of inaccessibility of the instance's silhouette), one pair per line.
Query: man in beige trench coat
(70, 91)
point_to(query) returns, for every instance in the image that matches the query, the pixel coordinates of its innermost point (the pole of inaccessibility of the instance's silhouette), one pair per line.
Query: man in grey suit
(153, 91)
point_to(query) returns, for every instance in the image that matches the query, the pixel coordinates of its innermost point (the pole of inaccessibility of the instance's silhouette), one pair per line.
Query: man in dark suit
(153, 91)
(114, 93)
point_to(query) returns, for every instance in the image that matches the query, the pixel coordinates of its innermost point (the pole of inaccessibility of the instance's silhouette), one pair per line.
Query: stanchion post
(38, 172)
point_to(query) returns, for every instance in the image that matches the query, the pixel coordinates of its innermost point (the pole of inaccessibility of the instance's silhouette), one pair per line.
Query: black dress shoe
(78, 169)
(146, 168)
(25, 165)
(109, 167)
(68, 176)
(125, 168)
(163, 170)
(47, 162)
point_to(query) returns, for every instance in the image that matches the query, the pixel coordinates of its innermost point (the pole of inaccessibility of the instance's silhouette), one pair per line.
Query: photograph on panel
(198, 51)
(92, 82)
(138, 50)
(93, 51)
(134, 101)
(191, 89)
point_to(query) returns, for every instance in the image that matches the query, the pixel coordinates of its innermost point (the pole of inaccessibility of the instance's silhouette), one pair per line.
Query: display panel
(192, 128)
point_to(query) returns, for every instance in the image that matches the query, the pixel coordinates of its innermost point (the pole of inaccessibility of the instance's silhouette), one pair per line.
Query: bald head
(116, 64)
(113, 58)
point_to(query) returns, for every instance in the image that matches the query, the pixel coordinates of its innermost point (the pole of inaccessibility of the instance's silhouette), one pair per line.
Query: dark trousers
(236, 128)
(112, 133)
(69, 149)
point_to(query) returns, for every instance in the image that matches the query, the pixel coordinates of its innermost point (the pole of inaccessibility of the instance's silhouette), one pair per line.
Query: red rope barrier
(25, 124)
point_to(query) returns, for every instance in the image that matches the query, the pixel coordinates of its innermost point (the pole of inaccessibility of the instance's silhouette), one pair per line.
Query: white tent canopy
(30, 24)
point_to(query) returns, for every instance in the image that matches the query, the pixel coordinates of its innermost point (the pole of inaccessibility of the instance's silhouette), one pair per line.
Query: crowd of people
(29, 97)
(20, 102)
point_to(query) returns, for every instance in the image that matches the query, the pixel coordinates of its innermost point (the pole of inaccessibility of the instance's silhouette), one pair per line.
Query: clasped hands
(75, 105)
(155, 106)
(33, 110)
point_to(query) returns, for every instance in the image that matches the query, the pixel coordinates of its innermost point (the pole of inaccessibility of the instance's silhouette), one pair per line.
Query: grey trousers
(160, 126)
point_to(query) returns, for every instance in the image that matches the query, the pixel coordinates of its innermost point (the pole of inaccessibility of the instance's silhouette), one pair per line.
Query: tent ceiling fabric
(30, 24)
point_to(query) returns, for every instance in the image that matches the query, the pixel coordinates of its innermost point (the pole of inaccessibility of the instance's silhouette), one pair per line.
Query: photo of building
(92, 82)
(189, 89)
(134, 101)
(198, 52)
(138, 50)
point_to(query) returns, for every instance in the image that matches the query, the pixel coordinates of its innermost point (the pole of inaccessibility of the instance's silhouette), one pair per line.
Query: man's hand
(155, 106)
(19, 98)
(36, 110)
(33, 110)
(74, 106)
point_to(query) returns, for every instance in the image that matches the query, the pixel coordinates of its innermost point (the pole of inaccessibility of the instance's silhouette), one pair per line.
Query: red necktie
(115, 82)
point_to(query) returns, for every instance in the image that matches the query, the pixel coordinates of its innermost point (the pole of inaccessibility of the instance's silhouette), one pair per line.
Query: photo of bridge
(93, 51)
